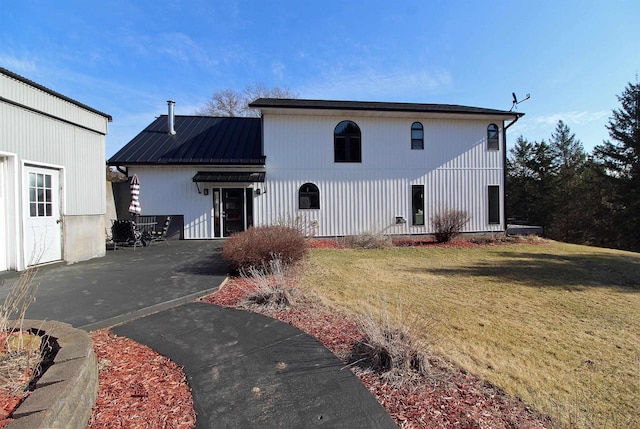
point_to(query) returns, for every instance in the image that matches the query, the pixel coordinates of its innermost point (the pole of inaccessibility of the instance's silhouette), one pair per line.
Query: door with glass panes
(42, 223)
(232, 210)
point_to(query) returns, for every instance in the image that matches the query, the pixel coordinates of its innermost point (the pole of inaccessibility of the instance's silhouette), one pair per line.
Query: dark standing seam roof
(198, 140)
(289, 103)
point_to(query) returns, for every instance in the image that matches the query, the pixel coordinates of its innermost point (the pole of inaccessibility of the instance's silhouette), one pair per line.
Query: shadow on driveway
(126, 283)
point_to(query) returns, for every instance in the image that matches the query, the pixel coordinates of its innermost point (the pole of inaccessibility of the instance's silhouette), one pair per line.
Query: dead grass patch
(556, 325)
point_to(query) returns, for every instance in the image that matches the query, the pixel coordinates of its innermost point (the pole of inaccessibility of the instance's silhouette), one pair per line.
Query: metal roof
(52, 92)
(212, 176)
(292, 103)
(198, 140)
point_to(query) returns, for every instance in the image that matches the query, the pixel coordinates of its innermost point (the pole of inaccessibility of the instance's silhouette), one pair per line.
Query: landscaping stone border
(66, 393)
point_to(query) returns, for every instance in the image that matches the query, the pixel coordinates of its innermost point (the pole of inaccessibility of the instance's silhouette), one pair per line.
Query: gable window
(417, 136)
(309, 196)
(494, 204)
(493, 141)
(347, 142)
(417, 204)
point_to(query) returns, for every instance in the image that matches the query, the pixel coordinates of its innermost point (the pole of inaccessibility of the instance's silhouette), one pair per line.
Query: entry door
(232, 211)
(3, 216)
(42, 226)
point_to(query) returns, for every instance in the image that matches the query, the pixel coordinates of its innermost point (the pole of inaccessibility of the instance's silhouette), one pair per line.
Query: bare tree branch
(229, 102)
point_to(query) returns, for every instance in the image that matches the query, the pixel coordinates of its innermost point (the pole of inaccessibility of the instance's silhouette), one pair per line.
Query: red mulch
(325, 243)
(10, 403)
(14, 389)
(138, 387)
(450, 399)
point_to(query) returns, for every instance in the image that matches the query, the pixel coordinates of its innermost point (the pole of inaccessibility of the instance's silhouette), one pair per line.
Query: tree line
(578, 197)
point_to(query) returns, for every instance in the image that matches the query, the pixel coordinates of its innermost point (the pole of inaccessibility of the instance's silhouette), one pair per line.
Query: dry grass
(390, 344)
(557, 325)
(20, 351)
(270, 285)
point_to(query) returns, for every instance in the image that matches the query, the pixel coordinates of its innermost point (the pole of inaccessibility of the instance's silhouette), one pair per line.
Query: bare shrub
(269, 285)
(255, 247)
(20, 351)
(389, 346)
(306, 228)
(368, 240)
(448, 224)
(21, 294)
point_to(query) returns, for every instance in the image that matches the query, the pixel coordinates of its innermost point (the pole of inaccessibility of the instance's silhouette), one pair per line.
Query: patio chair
(161, 235)
(124, 232)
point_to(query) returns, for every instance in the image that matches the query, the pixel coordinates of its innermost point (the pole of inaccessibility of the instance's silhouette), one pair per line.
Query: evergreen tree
(620, 161)
(568, 159)
(520, 180)
(530, 182)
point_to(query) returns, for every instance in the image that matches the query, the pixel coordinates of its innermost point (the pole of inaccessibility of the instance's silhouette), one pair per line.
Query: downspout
(504, 168)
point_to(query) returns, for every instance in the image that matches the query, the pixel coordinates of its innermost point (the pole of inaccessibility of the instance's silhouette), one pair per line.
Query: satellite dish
(515, 99)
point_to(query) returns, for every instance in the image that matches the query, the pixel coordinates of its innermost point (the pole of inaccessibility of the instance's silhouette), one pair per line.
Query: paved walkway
(245, 370)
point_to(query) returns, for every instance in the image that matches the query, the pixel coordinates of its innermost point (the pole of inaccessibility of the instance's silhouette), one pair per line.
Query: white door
(42, 226)
(3, 216)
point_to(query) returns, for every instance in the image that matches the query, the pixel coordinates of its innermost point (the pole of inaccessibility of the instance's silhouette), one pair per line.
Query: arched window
(493, 141)
(309, 196)
(347, 143)
(417, 136)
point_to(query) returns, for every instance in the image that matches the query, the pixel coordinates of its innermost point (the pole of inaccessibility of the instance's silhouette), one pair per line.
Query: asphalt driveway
(125, 284)
(244, 369)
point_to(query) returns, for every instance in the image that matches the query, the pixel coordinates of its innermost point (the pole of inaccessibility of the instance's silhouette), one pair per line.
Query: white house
(342, 167)
(52, 176)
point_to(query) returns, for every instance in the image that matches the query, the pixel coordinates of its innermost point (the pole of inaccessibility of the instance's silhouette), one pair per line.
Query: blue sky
(126, 58)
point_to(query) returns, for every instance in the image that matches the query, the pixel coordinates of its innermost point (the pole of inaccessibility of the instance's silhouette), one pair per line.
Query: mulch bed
(143, 389)
(138, 387)
(447, 398)
(460, 243)
(17, 369)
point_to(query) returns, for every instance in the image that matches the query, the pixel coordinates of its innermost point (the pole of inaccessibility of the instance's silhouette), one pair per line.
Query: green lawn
(557, 325)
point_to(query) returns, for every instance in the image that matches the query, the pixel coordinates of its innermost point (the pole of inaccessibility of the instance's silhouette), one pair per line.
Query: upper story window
(309, 196)
(417, 136)
(347, 142)
(493, 141)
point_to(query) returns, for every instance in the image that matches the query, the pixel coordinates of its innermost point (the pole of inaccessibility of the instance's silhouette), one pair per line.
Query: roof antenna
(516, 102)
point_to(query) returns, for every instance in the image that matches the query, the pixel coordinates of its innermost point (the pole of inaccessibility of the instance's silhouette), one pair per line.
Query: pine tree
(530, 182)
(568, 160)
(620, 160)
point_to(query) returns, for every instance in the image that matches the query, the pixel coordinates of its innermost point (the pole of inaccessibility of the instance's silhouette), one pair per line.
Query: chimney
(171, 117)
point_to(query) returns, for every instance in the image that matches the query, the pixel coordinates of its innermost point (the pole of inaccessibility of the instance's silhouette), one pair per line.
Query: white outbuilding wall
(42, 129)
(455, 167)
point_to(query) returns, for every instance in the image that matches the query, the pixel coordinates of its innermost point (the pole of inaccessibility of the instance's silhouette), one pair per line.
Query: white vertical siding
(455, 167)
(46, 130)
(42, 139)
(39, 100)
(171, 191)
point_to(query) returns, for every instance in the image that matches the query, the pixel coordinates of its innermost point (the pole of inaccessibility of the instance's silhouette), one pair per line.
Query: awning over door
(212, 177)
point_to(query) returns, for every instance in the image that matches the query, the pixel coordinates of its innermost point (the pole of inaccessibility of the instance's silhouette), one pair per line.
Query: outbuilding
(52, 176)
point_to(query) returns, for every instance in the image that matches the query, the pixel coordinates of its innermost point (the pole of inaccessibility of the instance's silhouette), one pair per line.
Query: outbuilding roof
(292, 103)
(52, 92)
(198, 140)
